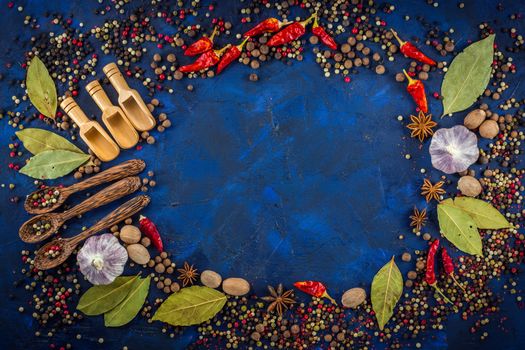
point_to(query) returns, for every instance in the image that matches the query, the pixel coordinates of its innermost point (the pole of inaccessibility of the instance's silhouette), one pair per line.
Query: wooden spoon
(66, 246)
(128, 168)
(56, 220)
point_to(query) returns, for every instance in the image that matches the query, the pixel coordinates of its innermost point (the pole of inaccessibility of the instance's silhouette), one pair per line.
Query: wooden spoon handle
(123, 212)
(128, 168)
(104, 196)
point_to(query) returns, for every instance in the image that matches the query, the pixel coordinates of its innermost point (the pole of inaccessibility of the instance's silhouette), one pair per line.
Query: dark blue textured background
(293, 177)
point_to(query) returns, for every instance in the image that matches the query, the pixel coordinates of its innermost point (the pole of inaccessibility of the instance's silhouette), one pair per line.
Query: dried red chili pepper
(317, 289)
(202, 45)
(230, 55)
(206, 60)
(148, 228)
(290, 33)
(409, 50)
(416, 89)
(325, 38)
(430, 273)
(448, 265)
(270, 25)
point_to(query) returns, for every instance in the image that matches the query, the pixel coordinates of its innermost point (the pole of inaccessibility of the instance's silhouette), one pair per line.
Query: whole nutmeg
(474, 119)
(138, 253)
(469, 186)
(489, 129)
(130, 234)
(354, 297)
(211, 279)
(235, 286)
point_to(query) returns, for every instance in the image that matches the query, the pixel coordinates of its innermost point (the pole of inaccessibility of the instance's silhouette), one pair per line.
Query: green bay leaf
(41, 88)
(53, 164)
(126, 311)
(484, 214)
(459, 228)
(100, 299)
(387, 287)
(40, 140)
(191, 306)
(468, 76)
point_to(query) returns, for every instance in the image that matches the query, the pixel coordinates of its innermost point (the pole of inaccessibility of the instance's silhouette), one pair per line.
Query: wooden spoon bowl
(66, 246)
(56, 220)
(127, 168)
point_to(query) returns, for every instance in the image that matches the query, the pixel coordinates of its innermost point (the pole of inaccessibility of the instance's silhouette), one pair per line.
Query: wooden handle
(128, 168)
(105, 196)
(130, 208)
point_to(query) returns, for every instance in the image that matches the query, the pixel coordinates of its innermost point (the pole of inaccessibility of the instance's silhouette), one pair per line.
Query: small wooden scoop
(113, 117)
(130, 100)
(66, 246)
(128, 168)
(56, 220)
(91, 132)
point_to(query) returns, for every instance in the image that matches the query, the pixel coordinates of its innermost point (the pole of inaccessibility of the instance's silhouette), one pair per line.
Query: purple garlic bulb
(454, 150)
(102, 259)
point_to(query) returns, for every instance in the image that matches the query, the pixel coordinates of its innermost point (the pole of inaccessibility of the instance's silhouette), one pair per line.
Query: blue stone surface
(293, 177)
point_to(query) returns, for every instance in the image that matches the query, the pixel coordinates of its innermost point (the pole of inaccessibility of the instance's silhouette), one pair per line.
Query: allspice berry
(469, 186)
(474, 119)
(489, 129)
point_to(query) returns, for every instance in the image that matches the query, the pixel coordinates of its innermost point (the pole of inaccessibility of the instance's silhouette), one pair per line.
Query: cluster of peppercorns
(54, 295)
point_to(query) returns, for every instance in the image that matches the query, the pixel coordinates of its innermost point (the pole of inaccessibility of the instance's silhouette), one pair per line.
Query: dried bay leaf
(100, 299)
(52, 164)
(459, 228)
(468, 76)
(40, 140)
(126, 311)
(41, 88)
(191, 306)
(484, 214)
(387, 287)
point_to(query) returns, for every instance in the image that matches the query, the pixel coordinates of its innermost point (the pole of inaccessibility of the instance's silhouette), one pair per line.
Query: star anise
(421, 126)
(279, 299)
(188, 274)
(432, 191)
(418, 219)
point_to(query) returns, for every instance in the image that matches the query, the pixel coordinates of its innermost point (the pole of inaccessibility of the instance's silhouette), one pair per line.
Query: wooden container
(91, 132)
(113, 117)
(130, 100)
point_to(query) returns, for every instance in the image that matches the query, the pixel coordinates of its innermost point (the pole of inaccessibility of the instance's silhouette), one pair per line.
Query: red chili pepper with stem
(206, 60)
(416, 89)
(202, 45)
(230, 55)
(430, 273)
(317, 289)
(409, 50)
(149, 229)
(448, 265)
(325, 38)
(290, 33)
(270, 25)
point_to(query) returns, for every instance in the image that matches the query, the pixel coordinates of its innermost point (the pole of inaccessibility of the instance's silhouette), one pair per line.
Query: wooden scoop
(128, 168)
(66, 246)
(113, 117)
(56, 220)
(130, 100)
(91, 132)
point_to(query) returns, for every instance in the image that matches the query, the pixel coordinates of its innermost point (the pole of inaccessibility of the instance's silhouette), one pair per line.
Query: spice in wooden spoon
(50, 198)
(57, 251)
(42, 226)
